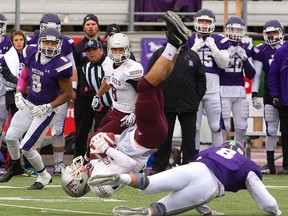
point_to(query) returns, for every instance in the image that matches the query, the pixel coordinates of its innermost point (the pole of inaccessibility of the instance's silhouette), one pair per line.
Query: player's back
(230, 167)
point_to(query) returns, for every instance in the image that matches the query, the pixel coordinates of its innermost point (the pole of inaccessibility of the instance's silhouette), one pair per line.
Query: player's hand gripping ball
(100, 143)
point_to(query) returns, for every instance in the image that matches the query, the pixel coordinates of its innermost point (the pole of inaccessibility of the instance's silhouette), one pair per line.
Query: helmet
(50, 20)
(233, 145)
(50, 34)
(270, 26)
(3, 23)
(235, 29)
(204, 14)
(119, 40)
(74, 178)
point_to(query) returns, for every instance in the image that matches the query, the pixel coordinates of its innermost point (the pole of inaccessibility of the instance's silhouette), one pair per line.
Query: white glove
(95, 103)
(256, 103)
(231, 51)
(210, 42)
(241, 53)
(128, 120)
(98, 145)
(40, 110)
(20, 101)
(199, 43)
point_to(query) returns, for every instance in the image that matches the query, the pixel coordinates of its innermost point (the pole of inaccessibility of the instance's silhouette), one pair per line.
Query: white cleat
(124, 210)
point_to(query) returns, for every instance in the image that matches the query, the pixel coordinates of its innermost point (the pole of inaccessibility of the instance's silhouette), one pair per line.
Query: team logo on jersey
(190, 63)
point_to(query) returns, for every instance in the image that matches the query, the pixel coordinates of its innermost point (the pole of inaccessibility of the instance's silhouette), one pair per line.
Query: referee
(92, 74)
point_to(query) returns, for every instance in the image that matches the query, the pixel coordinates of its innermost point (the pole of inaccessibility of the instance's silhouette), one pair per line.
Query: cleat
(13, 169)
(268, 171)
(177, 32)
(41, 182)
(124, 210)
(59, 168)
(104, 179)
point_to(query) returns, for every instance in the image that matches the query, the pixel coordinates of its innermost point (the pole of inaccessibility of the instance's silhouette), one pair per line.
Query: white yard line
(54, 210)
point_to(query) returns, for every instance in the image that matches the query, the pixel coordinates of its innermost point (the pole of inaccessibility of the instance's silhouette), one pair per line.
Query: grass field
(15, 199)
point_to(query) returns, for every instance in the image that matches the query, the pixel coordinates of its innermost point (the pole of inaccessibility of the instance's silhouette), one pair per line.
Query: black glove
(276, 103)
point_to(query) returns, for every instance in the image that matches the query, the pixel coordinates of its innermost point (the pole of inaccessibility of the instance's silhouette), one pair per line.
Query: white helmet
(3, 24)
(119, 40)
(74, 179)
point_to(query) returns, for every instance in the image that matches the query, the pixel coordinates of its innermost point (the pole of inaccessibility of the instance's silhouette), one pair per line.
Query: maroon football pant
(151, 123)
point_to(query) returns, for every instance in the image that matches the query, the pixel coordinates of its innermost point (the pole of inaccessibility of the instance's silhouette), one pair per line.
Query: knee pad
(159, 209)
(142, 181)
(215, 127)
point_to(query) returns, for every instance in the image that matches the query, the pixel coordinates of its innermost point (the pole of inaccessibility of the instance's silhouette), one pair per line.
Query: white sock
(126, 179)
(169, 52)
(58, 157)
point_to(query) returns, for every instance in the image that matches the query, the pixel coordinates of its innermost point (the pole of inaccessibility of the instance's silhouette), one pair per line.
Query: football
(110, 140)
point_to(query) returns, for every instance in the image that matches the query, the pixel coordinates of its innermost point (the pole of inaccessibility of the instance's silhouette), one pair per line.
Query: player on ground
(215, 170)
(138, 142)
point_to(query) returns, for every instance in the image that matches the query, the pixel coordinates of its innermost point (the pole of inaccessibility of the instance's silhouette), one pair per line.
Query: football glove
(199, 43)
(40, 110)
(241, 53)
(95, 103)
(128, 120)
(276, 103)
(98, 145)
(256, 103)
(20, 101)
(210, 42)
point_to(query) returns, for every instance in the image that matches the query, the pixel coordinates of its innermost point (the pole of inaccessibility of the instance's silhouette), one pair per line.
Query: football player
(215, 170)
(212, 50)
(232, 84)
(273, 34)
(49, 76)
(121, 76)
(138, 142)
(58, 141)
(5, 45)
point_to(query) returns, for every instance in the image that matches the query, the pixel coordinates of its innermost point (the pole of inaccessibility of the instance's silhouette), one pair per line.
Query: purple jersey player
(212, 50)
(5, 45)
(273, 34)
(215, 170)
(232, 85)
(49, 76)
(58, 141)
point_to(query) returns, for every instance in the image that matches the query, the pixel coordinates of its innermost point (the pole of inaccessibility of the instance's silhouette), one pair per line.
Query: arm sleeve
(249, 69)
(23, 80)
(256, 80)
(121, 159)
(260, 194)
(222, 58)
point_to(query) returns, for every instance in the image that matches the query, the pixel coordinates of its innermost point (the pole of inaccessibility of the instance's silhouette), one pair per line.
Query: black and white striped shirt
(94, 75)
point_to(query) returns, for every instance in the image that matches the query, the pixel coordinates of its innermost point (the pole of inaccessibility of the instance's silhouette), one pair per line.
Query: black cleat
(177, 32)
(14, 169)
(41, 182)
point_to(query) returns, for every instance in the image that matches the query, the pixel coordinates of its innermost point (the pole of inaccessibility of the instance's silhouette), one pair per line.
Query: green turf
(15, 199)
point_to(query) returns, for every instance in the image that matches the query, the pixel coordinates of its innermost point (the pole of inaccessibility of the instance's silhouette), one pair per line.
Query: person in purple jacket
(273, 34)
(58, 141)
(214, 171)
(278, 85)
(212, 50)
(48, 74)
(232, 84)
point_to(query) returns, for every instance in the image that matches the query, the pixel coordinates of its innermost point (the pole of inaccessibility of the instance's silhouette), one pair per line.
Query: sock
(169, 52)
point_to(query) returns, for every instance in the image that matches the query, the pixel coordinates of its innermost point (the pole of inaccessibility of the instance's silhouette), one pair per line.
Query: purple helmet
(233, 145)
(273, 26)
(235, 29)
(204, 14)
(48, 35)
(50, 20)
(3, 24)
